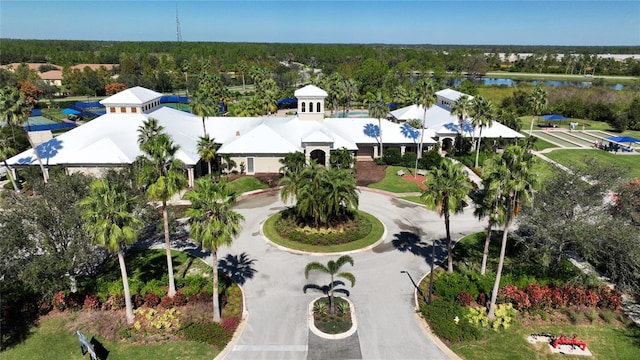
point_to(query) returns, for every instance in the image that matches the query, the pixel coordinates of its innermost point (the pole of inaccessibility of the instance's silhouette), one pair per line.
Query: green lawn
(394, 183)
(52, 340)
(377, 230)
(604, 341)
(245, 184)
(577, 158)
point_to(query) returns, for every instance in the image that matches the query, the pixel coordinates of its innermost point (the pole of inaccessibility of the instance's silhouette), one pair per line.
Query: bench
(400, 172)
(86, 346)
(422, 172)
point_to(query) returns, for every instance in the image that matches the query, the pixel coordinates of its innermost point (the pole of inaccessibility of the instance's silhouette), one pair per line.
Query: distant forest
(344, 58)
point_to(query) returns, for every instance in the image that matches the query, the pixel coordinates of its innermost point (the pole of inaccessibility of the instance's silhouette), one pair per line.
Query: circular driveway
(273, 281)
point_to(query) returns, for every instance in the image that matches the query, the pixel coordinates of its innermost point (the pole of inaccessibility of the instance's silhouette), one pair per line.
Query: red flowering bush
(511, 294)
(92, 302)
(539, 296)
(59, 301)
(482, 299)
(75, 301)
(166, 302)
(179, 299)
(464, 298)
(151, 300)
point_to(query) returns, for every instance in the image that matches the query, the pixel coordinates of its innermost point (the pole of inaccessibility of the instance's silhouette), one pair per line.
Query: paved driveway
(276, 326)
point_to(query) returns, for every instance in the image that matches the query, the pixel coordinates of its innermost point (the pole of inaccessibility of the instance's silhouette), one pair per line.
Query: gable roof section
(133, 96)
(260, 140)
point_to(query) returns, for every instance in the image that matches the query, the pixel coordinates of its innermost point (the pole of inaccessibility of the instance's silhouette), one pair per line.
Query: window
(310, 106)
(318, 107)
(134, 110)
(112, 109)
(303, 106)
(123, 109)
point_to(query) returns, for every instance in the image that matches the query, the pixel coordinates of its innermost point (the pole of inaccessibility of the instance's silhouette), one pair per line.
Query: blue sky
(515, 22)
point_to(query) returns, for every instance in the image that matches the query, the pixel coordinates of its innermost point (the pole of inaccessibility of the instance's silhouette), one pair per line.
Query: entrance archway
(319, 156)
(447, 144)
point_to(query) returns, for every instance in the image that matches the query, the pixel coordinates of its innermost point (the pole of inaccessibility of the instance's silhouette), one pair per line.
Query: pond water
(556, 83)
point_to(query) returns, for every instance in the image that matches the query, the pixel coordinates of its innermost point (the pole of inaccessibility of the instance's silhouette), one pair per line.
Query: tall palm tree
(212, 223)
(426, 97)
(14, 111)
(483, 113)
(108, 218)
(207, 150)
(333, 269)
(350, 92)
(486, 201)
(5, 152)
(378, 109)
(511, 177)
(202, 105)
(537, 102)
(446, 193)
(162, 174)
(461, 109)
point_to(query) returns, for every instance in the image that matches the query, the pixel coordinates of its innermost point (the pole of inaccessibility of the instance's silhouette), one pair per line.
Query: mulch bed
(418, 179)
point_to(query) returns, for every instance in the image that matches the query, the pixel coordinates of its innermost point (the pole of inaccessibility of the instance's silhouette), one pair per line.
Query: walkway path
(388, 328)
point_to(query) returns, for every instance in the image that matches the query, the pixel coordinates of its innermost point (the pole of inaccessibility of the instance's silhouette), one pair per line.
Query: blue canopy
(68, 111)
(623, 139)
(553, 117)
(287, 101)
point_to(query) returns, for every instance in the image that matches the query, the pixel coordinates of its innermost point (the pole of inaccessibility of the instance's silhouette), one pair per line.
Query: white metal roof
(310, 91)
(133, 96)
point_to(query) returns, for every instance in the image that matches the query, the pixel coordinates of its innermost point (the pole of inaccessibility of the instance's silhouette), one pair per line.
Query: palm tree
(461, 108)
(212, 223)
(293, 161)
(379, 110)
(483, 113)
(511, 177)
(5, 152)
(332, 268)
(161, 173)
(350, 92)
(14, 111)
(207, 150)
(446, 193)
(537, 103)
(108, 218)
(426, 97)
(202, 105)
(486, 202)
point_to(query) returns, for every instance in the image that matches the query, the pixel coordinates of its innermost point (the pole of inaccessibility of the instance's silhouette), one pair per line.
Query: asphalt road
(273, 281)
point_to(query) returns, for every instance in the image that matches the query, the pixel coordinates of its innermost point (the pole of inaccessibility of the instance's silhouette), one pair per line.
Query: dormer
(136, 100)
(310, 103)
(448, 97)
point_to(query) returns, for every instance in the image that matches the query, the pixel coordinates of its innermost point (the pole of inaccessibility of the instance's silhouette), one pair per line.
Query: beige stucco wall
(261, 163)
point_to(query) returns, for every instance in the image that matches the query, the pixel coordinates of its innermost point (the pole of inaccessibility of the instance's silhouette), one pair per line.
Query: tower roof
(310, 91)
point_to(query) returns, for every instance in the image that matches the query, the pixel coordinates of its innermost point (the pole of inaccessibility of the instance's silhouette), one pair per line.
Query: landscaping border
(344, 335)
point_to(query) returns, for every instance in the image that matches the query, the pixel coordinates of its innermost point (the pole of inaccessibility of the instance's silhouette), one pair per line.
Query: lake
(556, 83)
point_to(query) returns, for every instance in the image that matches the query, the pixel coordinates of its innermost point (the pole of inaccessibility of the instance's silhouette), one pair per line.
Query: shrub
(92, 302)
(464, 298)
(511, 294)
(166, 302)
(59, 301)
(409, 159)
(504, 314)
(539, 296)
(117, 302)
(137, 301)
(151, 300)
(320, 308)
(477, 316)
(75, 301)
(392, 156)
(450, 285)
(207, 332)
(607, 315)
(440, 314)
(591, 315)
(230, 324)
(179, 299)
(154, 286)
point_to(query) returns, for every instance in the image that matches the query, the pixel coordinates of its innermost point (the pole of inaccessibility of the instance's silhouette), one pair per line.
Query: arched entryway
(319, 156)
(447, 144)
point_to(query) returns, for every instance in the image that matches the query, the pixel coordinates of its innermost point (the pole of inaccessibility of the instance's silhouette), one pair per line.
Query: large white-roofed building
(110, 141)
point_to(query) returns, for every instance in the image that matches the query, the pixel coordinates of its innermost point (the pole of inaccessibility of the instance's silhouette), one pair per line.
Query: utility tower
(178, 32)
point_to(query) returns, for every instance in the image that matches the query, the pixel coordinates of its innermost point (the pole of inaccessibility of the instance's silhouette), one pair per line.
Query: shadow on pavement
(238, 268)
(410, 242)
(325, 288)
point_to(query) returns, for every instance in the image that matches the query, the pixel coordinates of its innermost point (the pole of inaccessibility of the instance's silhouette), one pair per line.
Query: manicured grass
(51, 340)
(151, 264)
(496, 94)
(377, 229)
(394, 183)
(577, 159)
(604, 342)
(245, 184)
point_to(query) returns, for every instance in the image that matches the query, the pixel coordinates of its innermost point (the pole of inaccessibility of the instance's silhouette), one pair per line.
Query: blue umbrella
(554, 117)
(68, 111)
